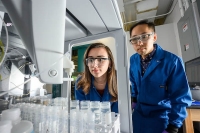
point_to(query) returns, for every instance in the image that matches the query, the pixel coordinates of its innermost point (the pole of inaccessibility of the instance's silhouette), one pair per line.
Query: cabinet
(189, 32)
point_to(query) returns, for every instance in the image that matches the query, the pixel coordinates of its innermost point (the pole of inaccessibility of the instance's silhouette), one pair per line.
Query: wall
(167, 38)
(130, 49)
(110, 42)
(173, 18)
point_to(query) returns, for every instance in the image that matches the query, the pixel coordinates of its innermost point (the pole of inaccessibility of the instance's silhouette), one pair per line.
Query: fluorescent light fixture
(131, 2)
(142, 6)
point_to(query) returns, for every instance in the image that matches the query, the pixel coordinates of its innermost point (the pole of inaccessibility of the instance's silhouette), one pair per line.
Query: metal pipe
(180, 3)
(68, 100)
(185, 4)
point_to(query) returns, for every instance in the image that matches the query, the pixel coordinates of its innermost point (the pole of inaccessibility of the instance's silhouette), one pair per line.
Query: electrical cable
(16, 85)
(22, 89)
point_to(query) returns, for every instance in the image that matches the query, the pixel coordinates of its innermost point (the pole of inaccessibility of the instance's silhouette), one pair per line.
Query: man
(160, 90)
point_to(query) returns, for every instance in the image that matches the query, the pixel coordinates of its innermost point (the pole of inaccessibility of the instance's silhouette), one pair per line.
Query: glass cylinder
(74, 104)
(90, 123)
(43, 120)
(95, 108)
(85, 105)
(65, 104)
(73, 121)
(106, 113)
(46, 101)
(62, 125)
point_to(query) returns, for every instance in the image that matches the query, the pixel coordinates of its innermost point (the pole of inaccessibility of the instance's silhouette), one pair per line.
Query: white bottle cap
(11, 114)
(5, 126)
(23, 127)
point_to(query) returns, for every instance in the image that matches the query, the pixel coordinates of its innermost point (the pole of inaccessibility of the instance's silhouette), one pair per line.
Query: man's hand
(133, 105)
(165, 131)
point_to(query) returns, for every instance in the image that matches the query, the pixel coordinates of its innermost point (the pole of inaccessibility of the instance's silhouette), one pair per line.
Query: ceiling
(136, 10)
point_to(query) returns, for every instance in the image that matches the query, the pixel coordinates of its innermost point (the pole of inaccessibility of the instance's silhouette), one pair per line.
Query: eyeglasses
(142, 38)
(91, 61)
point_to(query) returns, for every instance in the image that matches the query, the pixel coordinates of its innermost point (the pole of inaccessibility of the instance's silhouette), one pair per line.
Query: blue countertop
(195, 104)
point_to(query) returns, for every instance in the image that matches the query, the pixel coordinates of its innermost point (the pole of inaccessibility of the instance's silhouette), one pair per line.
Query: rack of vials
(84, 116)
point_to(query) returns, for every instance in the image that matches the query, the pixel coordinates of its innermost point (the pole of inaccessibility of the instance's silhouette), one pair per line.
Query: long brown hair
(85, 80)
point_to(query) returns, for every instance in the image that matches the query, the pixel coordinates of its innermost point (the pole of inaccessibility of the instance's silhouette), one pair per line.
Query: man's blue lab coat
(93, 95)
(162, 93)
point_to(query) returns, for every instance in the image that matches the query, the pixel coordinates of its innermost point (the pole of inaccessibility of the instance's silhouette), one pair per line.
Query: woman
(99, 81)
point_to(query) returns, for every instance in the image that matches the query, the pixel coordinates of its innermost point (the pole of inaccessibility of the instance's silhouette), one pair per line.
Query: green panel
(79, 47)
(56, 90)
(78, 58)
(81, 52)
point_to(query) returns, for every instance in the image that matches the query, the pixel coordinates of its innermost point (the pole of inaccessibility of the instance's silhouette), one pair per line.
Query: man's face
(143, 39)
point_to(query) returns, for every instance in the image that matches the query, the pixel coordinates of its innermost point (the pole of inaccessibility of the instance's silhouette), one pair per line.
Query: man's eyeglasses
(91, 61)
(142, 38)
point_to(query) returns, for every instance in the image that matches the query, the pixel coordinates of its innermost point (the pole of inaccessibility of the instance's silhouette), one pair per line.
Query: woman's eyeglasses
(90, 61)
(142, 38)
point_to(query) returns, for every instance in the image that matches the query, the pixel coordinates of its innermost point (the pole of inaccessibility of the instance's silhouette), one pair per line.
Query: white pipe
(131, 2)
(180, 3)
(68, 79)
(186, 4)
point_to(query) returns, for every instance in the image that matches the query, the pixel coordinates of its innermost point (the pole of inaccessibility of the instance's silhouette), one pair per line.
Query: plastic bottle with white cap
(18, 126)
(12, 115)
(5, 126)
(23, 127)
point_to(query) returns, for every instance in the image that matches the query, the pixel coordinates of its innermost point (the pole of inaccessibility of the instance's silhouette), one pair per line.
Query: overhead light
(142, 6)
(131, 2)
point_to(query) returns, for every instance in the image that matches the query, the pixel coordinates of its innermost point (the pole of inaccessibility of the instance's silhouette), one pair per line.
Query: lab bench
(193, 115)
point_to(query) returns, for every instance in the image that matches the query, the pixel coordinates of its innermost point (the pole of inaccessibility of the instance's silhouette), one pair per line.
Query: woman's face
(98, 62)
